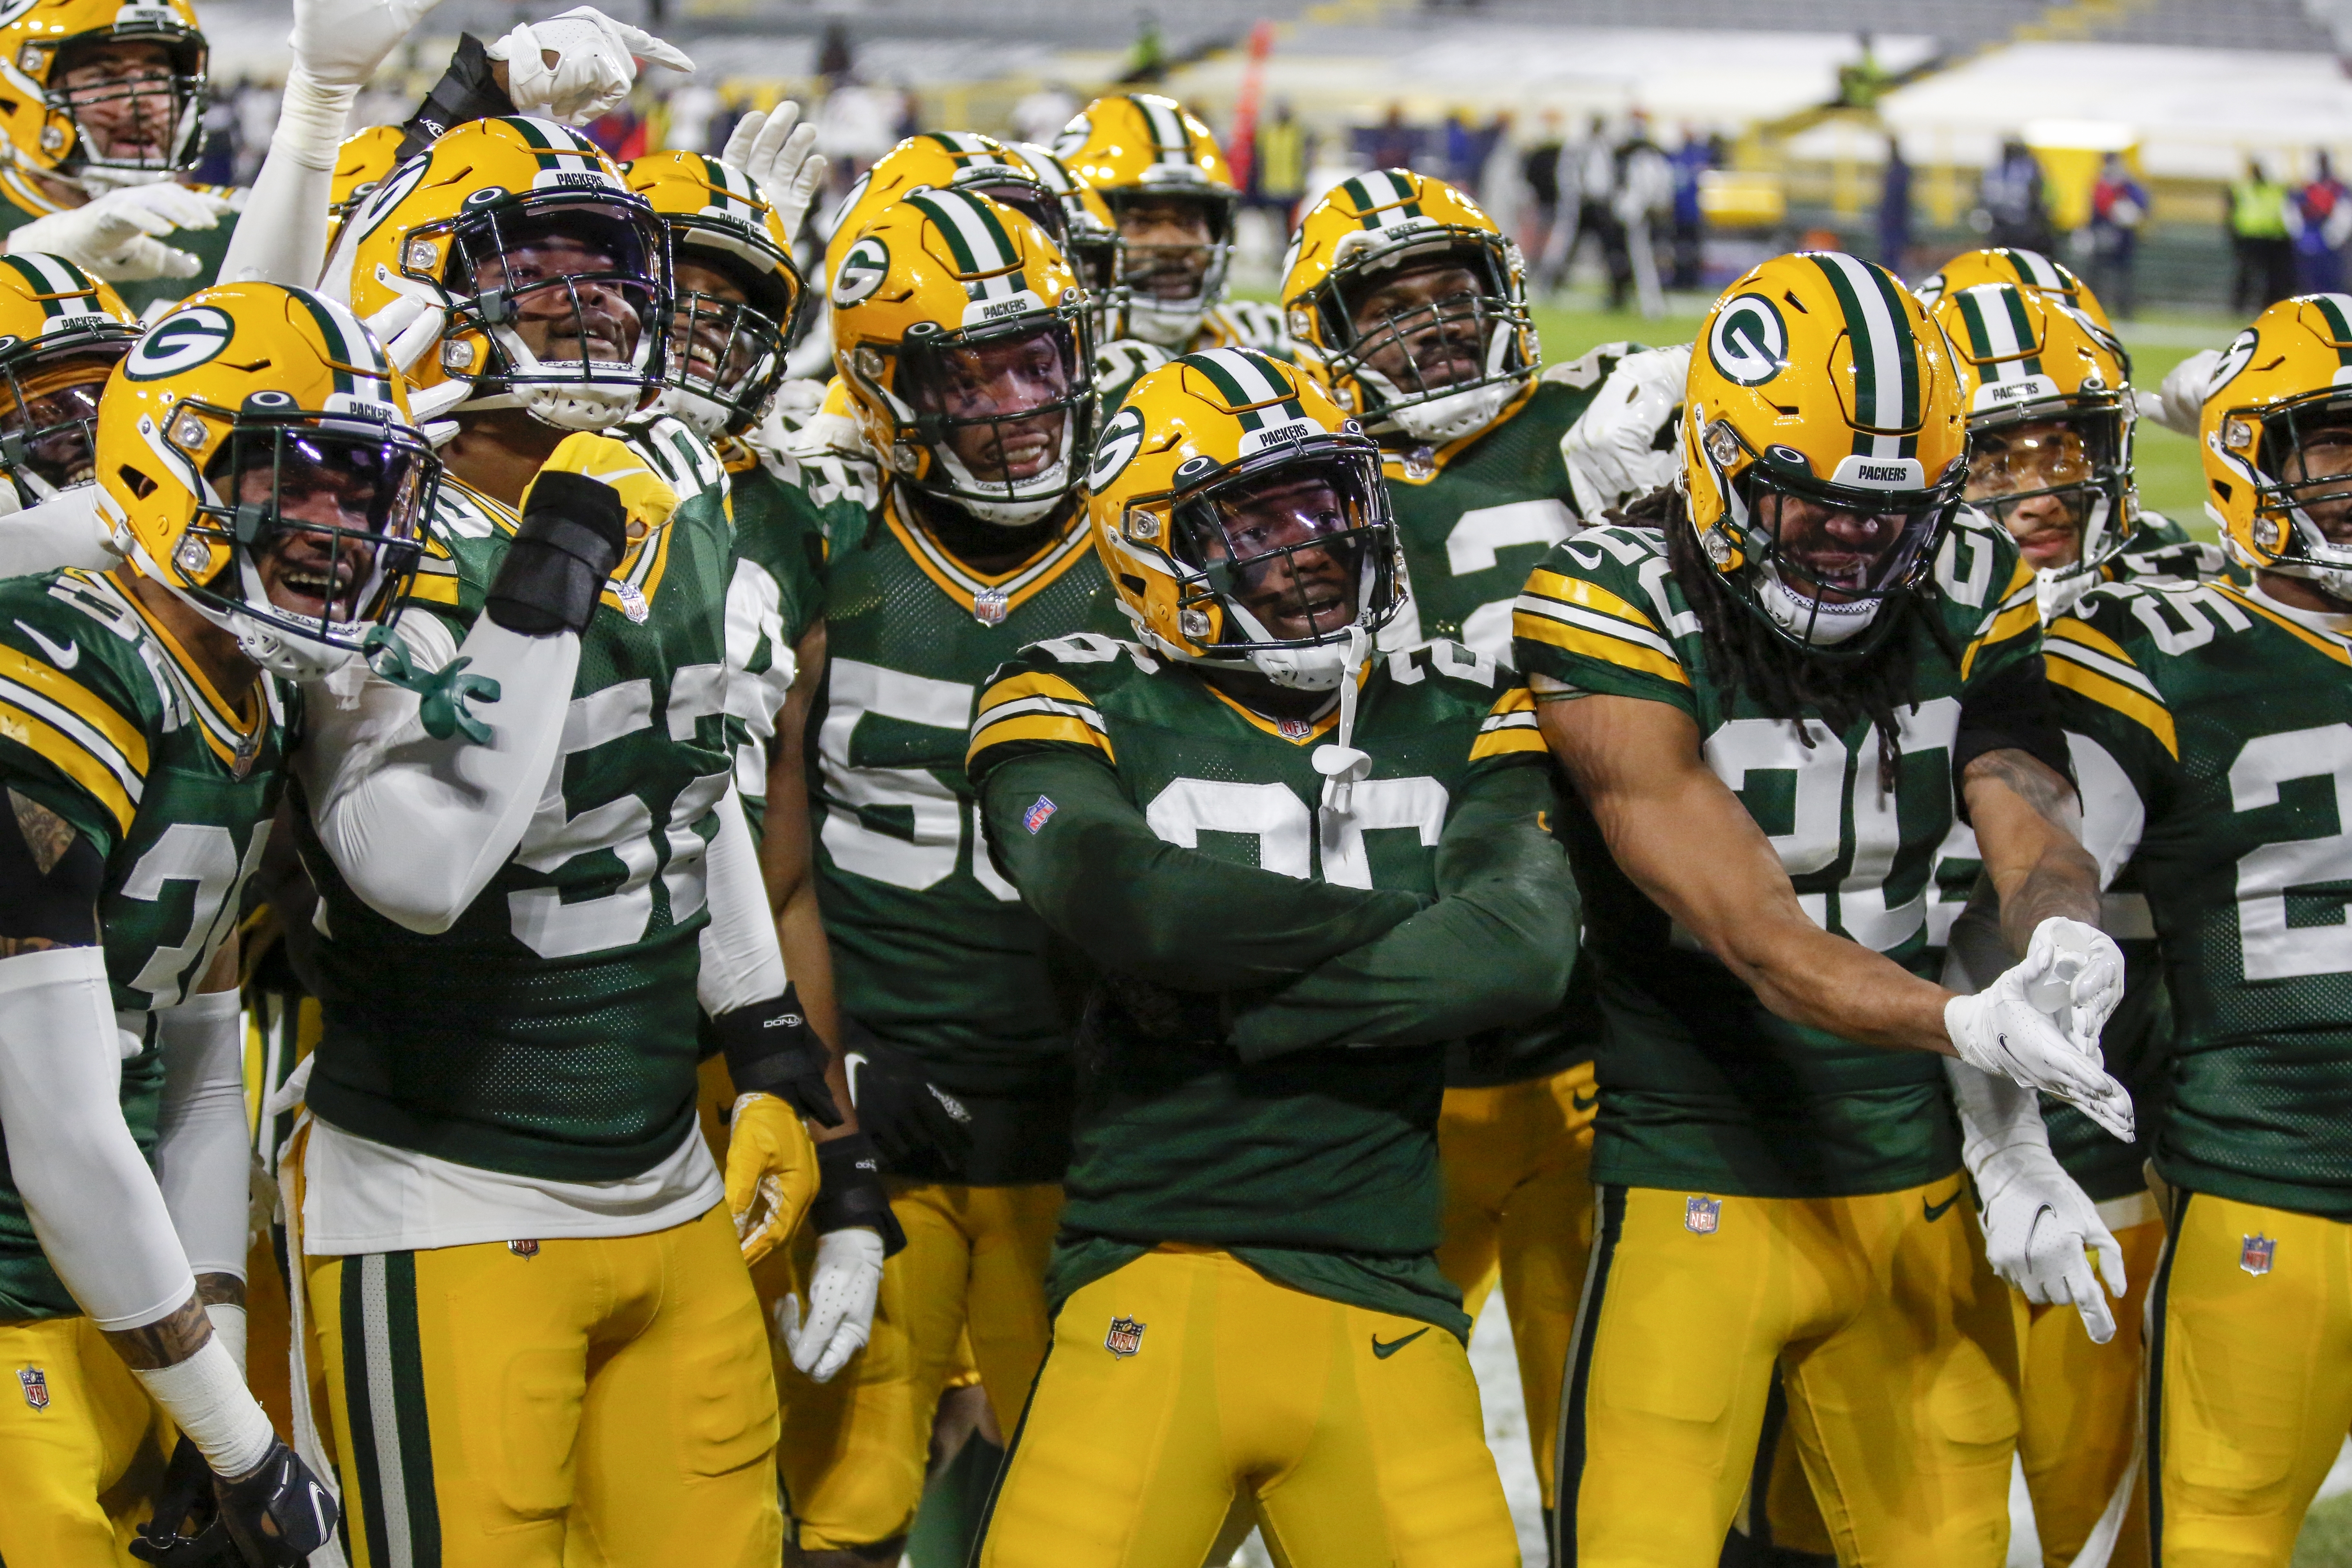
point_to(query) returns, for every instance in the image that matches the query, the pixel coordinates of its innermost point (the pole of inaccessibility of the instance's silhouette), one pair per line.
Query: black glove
(468, 91)
(770, 1049)
(574, 531)
(917, 1128)
(280, 1514)
(186, 1531)
(850, 1194)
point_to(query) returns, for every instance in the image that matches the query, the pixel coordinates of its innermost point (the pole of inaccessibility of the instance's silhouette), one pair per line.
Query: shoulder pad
(1592, 368)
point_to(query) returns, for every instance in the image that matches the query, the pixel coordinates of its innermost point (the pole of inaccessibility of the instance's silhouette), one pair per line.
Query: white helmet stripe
(2035, 268)
(1247, 374)
(55, 275)
(957, 213)
(1168, 133)
(1879, 346)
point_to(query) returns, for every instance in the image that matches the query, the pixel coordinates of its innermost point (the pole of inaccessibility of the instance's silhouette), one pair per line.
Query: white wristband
(228, 1328)
(206, 1396)
(312, 119)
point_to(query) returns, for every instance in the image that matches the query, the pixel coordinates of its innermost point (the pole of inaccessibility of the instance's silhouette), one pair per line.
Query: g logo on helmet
(2235, 358)
(181, 341)
(862, 272)
(1749, 343)
(1120, 439)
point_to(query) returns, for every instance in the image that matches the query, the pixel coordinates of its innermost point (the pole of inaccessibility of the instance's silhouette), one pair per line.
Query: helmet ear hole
(140, 484)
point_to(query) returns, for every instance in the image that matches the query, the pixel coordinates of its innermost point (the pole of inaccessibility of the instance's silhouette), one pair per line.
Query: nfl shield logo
(1126, 1337)
(1293, 729)
(1038, 813)
(524, 1250)
(36, 1386)
(1702, 1216)
(989, 606)
(2255, 1255)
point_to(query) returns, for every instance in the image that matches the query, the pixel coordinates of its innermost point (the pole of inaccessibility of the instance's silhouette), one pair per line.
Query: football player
(257, 458)
(2225, 717)
(1301, 870)
(962, 344)
(1768, 702)
(62, 332)
(523, 1149)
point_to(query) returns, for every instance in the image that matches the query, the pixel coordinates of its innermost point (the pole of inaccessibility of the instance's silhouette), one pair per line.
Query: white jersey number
(2273, 949)
(1286, 830)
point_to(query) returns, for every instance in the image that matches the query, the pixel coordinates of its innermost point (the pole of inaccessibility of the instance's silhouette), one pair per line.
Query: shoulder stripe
(2018, 615)
(1585, 618)
(2333, 647)
(2067, 638)
(96, 777)
(44, 689)
(2147, 713)
(1509, 727)
(1037, 706)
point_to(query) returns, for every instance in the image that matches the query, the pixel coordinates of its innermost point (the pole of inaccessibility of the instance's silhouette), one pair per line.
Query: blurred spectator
(1040, 116)
(1693, 158)
(2012, 207)
(1466, 150)
(1859, 84)
(1392, 144)
(1278, 173)
(910, 115)
(834, 62)
(1588, 184)
(2324, 208)
(2261, 233)
(693, 109)
(256, 120)
(2118, 208)
(855, 125)
(1895, 210)
(1147, 61)
(1540, 172)
(1642, 196)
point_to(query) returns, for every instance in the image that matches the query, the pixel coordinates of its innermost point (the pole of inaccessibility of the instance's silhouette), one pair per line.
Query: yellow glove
(644, 495)
(771, 1165)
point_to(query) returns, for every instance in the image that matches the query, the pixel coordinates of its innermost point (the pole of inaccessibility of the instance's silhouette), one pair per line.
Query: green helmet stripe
(2339, 323)
(1886, 357)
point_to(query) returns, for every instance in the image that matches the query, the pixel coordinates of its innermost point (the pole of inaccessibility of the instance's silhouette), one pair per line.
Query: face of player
(705, 344)
(61, 453)
(1297, 588)
(344, 495)
(1167, 241)
(591, 320)
(122, 94)
(2039, 455)
(1424, 326)
(2324, 455)
(988, 390)
(1833, 555)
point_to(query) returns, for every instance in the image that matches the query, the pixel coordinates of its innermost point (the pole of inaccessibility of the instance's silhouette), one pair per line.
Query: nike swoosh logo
(1936, 1211)
(64, 658)
(1583, 1101)
(1382, 1351)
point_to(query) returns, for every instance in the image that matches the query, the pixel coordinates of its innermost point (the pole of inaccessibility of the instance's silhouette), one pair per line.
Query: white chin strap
(1451, 417)
(703, 415)
(279, 653)
(1817, 622)
(1168, 324)
(1035, 499)
(563, 399)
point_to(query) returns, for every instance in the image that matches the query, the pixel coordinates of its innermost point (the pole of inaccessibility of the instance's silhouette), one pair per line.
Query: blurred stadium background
(2179, 152)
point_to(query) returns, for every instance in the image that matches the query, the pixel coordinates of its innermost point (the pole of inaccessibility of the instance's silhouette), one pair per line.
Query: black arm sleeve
(2010, 710)
(1096, 874)
(1496, 949)
(467, 90)
(50, 876)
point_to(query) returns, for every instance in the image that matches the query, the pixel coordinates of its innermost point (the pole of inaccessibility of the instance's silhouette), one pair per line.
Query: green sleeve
(1496, 948)
(1094, 871)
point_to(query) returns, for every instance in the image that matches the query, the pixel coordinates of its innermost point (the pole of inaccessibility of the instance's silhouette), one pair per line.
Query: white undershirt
(360, 1196)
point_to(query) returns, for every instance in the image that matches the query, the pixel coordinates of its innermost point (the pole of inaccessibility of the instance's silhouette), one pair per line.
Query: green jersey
(1475, 515)
(2226, 724)
(932, 950)
(21, 202)
(1702, 1087)
(788, 514)
(105, 722)
(550, 1031)
(1318, 1166)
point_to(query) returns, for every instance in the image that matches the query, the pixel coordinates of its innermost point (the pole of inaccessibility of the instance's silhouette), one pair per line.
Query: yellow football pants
(82, 1447)
(1897, 1348)
(1356, 1434)
(1518, 1211)
(852, 1450)
(521, 1404)
(2250, 1357)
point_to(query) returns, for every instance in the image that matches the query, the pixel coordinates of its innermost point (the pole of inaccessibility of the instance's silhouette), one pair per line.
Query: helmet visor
(578, 284)
(49, 410)
(325, 520)
(2042, 478)
(1300, 542)
(1003, 404)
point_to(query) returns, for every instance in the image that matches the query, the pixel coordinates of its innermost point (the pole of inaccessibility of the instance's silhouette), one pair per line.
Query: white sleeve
(380, 788)
(202, 1149)
(281, 235)
(741, 963)
(2112, 815)
(94, 1206)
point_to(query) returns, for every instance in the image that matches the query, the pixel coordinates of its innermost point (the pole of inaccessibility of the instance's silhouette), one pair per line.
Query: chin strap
(1340, 764)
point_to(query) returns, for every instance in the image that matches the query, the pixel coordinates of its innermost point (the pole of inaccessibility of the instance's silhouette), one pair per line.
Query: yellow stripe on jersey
(1037, 707)
(1509, 726)
(1588, 619)
(70, 758)
(2327, 645)
(2019, 612)
(2080, 671)
(78, 699)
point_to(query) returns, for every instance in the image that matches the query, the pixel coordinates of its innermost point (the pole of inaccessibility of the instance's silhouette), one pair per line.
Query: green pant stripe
(390, 1462)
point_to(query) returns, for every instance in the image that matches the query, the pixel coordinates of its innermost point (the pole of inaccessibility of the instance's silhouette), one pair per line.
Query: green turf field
(2168, 478)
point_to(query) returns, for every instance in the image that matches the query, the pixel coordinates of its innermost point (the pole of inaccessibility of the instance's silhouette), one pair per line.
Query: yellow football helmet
(944, 160)
(2277, 442)
(361, 164)
(61, 334)
(1823, 446)
(1242, 517)
(520, 229)
(1090, 234)
(726, 356)
(2049, 425)
(255, 452)
(1144, 152)
(68, 133)
(2028, 269)
(1374, 231)
(946, 309)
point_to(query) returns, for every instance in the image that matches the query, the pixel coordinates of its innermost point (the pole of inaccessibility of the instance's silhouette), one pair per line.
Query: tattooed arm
(2029, 825)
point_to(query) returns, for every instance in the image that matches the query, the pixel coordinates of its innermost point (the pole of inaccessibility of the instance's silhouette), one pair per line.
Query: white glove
(69, 528)
(1612, 451)
(113, 237)
(593, 67)
(2038, 1022)
(2182, 399)
(410, 329)
(847, 1277)
(781, 157)
(341, 42)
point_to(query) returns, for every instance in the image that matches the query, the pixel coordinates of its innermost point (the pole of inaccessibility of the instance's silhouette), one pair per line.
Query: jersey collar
(1398, 465)
(990, 599)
